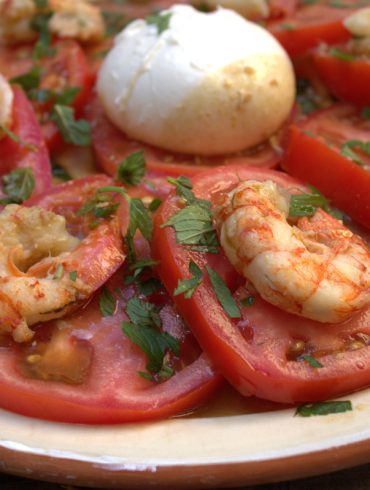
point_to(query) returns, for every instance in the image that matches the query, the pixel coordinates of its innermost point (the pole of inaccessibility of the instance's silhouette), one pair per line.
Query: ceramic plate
(188, 452)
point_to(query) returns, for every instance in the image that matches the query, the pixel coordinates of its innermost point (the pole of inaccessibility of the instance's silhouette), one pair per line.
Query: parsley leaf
(17, 139)
(347, 150)
(59, 172)
(114, 22)
(140, 219)
(323, 408)
(40, 24)
(73, 131)
(365, 113)
(341, 55)
(107, 302)
(142, 313)
(149, 286)
(161, 21)
(132, 170)
(29, 80)
(73, 276)
(183, 188)
(154, 205)
(307, 204)
(223, 294)
(188, 286)
(18, 185)
(154, 343)
(193, 226)
(312, 361)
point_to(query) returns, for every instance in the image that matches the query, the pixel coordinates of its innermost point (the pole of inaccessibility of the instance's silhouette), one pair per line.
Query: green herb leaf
(193, 226)
(149, 286)
(307, 204)
(73, 276)
(132, 170)
(183, 188)
(40, 24)
(187, 287)
(323, 408)
(40, 95)
(18, 185)
(312, 361)
(140, 219)
(139, 266)
(223, 294)
(154, 343)
(161, 21)
(114, 22)
(66, 96)
(29, 80)
(248, 301)
(59, 172)
(73, 131)
(287, 26)
(107, 302)
(17, 139)
(154, 205)
(59, 272)
(142, 313)
(347, 150)
(341, 55)
(365, 113)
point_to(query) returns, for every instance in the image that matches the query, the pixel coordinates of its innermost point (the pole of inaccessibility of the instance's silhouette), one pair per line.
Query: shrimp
(6, 103)
(75, 19)
(250, 9)
(315, 267)
(34, 287)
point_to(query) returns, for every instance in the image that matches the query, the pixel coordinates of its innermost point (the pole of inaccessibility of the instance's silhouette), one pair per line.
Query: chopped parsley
(161, 21)
(59, 272)
(187, 287)
(312, 361)
(107, 302)
(154, 205)
(323, 408)
(77, 132)
(40, 24)
(29, 80)
(223, 294)
(340, 54)
(307, 204)
(18, 185)
(73, 276)
(132, 169)
(347, 150)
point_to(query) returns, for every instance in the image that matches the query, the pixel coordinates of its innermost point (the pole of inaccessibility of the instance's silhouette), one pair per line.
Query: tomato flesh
(254, 352)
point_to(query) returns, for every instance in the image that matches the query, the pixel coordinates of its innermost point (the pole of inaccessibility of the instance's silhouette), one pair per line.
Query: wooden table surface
(351, 479)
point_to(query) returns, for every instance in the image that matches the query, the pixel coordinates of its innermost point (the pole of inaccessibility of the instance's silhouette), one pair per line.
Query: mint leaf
(77, 132)
(18, 185)
(132, 170)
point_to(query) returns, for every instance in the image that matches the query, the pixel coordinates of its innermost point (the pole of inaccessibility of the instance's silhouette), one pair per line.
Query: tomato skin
(111, 146)
(309, 158)
(347, 80)
(252, 353)
(15, 155)
(309, 26)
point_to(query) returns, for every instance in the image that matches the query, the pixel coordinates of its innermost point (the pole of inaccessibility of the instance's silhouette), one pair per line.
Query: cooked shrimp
(6, 103)
(250, 9)
(75, 19)
(28, 237)
(315, 268)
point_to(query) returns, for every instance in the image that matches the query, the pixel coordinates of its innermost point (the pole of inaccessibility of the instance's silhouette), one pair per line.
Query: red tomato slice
(309, 26)
(314, 155)
(87, 372)
(348, 80)
(112, 146)
(31, 151)
(67, 68)
(100, 252)
(255, 352)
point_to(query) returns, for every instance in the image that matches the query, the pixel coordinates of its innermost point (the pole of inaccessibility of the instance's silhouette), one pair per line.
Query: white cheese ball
(210, 83)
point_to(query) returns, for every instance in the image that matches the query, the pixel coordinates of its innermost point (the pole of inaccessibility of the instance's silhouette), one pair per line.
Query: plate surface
(187, 452)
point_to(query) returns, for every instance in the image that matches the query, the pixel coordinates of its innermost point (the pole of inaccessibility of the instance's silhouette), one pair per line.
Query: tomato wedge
(347, 79)
(87, 372)
(318, 150)
(111, 146)
(309, 26)
(256, 352)
(30, 151)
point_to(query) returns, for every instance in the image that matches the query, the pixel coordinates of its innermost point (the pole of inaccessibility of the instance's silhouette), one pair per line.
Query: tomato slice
(30, 151)
(100, 252)
(346, 79)
(309, 26)
(67, 68)
(256, 353)
(314, 153)
(112, 146)
(87, 372)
